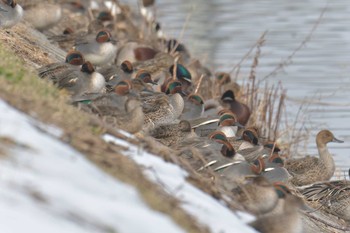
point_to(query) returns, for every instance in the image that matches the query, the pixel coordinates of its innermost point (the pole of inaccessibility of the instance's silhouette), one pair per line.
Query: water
(222, 31)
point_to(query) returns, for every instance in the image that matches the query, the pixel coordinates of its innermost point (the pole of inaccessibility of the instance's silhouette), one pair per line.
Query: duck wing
(298, 166)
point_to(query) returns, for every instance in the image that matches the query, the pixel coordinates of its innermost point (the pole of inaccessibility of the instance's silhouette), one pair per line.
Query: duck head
(11, 3)
(275, 158)
(88, 68)
(250, 135)
(281, 189)
(181, 73)
(75, 58)
(123, 87)
(127, 67)
(227, 150)
(145, 77)
(229, 119)
(104, 36)
(173, 87)
(228, 96)
(185, 126)
(222, 78)
(325, 136)
(196, 99)
(218, 137)
(105, 16)
(258, 166)
(272, 146)
(174, 45)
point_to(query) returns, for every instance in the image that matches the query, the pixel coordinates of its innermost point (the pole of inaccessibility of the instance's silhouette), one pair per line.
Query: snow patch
(47, 186)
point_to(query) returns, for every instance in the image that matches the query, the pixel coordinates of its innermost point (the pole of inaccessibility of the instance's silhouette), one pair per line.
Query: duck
(157, 66)
(208, 153)
(257, 197)
(162, 109)
(331, 196)
(42, 15)
(241, 110)
(309, 169)
(107, 103)
(100, 50)
(173, 134)
(83, 81)
(10, 13)
(114, 73)
(69, 35)
(135, 52)
(121, 112)
(182, 74)
(234, 173)
(224, 83)
(54, 71)
(249, 139)
(193, 108)
(225, 123)
(289, 221)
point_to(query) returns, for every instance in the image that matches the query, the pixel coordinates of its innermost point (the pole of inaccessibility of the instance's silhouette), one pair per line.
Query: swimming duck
(10, 13)
(308, 170)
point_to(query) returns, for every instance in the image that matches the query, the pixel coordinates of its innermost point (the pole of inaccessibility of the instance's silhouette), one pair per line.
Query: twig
(199, 84)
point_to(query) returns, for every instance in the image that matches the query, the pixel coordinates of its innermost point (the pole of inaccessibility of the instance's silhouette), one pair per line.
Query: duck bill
(337, 140)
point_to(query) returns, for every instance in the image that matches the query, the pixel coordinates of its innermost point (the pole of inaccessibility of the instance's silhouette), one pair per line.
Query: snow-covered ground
(47, 186)
(172, 178)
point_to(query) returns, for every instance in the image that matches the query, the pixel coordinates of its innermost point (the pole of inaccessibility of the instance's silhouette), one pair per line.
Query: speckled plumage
(311, 169)
(332, 197)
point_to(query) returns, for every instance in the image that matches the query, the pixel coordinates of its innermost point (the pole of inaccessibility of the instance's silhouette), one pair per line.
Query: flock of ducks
(120, 67)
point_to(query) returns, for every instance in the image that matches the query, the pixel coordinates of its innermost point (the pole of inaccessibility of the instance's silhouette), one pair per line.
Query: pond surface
(223, 31)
